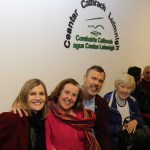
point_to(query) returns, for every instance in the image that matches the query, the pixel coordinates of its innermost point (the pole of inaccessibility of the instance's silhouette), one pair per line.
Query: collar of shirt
(90, 104)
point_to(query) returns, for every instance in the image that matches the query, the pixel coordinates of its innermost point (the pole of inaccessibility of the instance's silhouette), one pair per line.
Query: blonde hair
(125, 79)
(23, 96)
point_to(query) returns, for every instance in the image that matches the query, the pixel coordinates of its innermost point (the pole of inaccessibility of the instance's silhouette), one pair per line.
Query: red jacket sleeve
(13, 131)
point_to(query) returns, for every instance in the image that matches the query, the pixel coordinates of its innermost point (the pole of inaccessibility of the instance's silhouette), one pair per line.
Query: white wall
(32, 34)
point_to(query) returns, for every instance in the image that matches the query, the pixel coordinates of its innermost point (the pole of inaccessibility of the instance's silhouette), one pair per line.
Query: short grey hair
(125, 79)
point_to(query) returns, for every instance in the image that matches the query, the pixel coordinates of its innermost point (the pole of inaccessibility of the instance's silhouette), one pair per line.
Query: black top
(36, 132)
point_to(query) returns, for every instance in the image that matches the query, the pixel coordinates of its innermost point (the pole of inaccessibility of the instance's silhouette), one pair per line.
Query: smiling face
(92, 83)
(36, 98)
(68, 97)
(124, 91)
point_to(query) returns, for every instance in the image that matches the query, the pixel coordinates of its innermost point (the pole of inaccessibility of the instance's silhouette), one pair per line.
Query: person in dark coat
(28, 132)
(124, 113)
(92, 83)
(140, 92)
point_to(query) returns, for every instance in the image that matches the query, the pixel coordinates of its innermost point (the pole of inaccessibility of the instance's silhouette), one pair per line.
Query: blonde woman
(123, 109)
(28, 132)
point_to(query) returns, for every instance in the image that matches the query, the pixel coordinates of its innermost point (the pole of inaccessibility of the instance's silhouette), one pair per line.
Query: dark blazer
(102, 123)
(13, 132)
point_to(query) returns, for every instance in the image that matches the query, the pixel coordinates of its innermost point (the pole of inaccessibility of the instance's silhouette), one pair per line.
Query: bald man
(144, 99)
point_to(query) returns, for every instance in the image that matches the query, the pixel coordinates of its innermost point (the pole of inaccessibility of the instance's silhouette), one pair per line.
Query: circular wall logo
(99, 30)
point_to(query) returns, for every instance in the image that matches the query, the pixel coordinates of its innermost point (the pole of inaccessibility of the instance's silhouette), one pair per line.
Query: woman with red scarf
(69, 125)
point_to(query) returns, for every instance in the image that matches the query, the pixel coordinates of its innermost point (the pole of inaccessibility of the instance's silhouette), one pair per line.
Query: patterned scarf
(85, 124)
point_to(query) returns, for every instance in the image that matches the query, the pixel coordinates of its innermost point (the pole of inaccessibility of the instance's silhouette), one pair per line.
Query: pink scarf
(86, 123)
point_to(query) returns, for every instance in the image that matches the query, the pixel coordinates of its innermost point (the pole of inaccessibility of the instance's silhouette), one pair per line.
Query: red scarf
(86, 123)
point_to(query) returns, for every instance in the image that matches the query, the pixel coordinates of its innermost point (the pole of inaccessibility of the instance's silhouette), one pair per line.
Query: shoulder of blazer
(12, 118)
(100, 101)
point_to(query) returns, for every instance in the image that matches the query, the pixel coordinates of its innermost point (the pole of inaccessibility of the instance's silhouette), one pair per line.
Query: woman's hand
(17, 109)
(130, 126)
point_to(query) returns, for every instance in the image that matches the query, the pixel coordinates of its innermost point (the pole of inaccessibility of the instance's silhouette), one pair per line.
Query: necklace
(120, 101)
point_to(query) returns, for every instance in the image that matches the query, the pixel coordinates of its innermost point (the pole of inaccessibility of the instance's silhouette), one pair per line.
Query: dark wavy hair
(135, 72)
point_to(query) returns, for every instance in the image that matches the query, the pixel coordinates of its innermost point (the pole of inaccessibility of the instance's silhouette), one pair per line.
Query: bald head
(146, 73)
